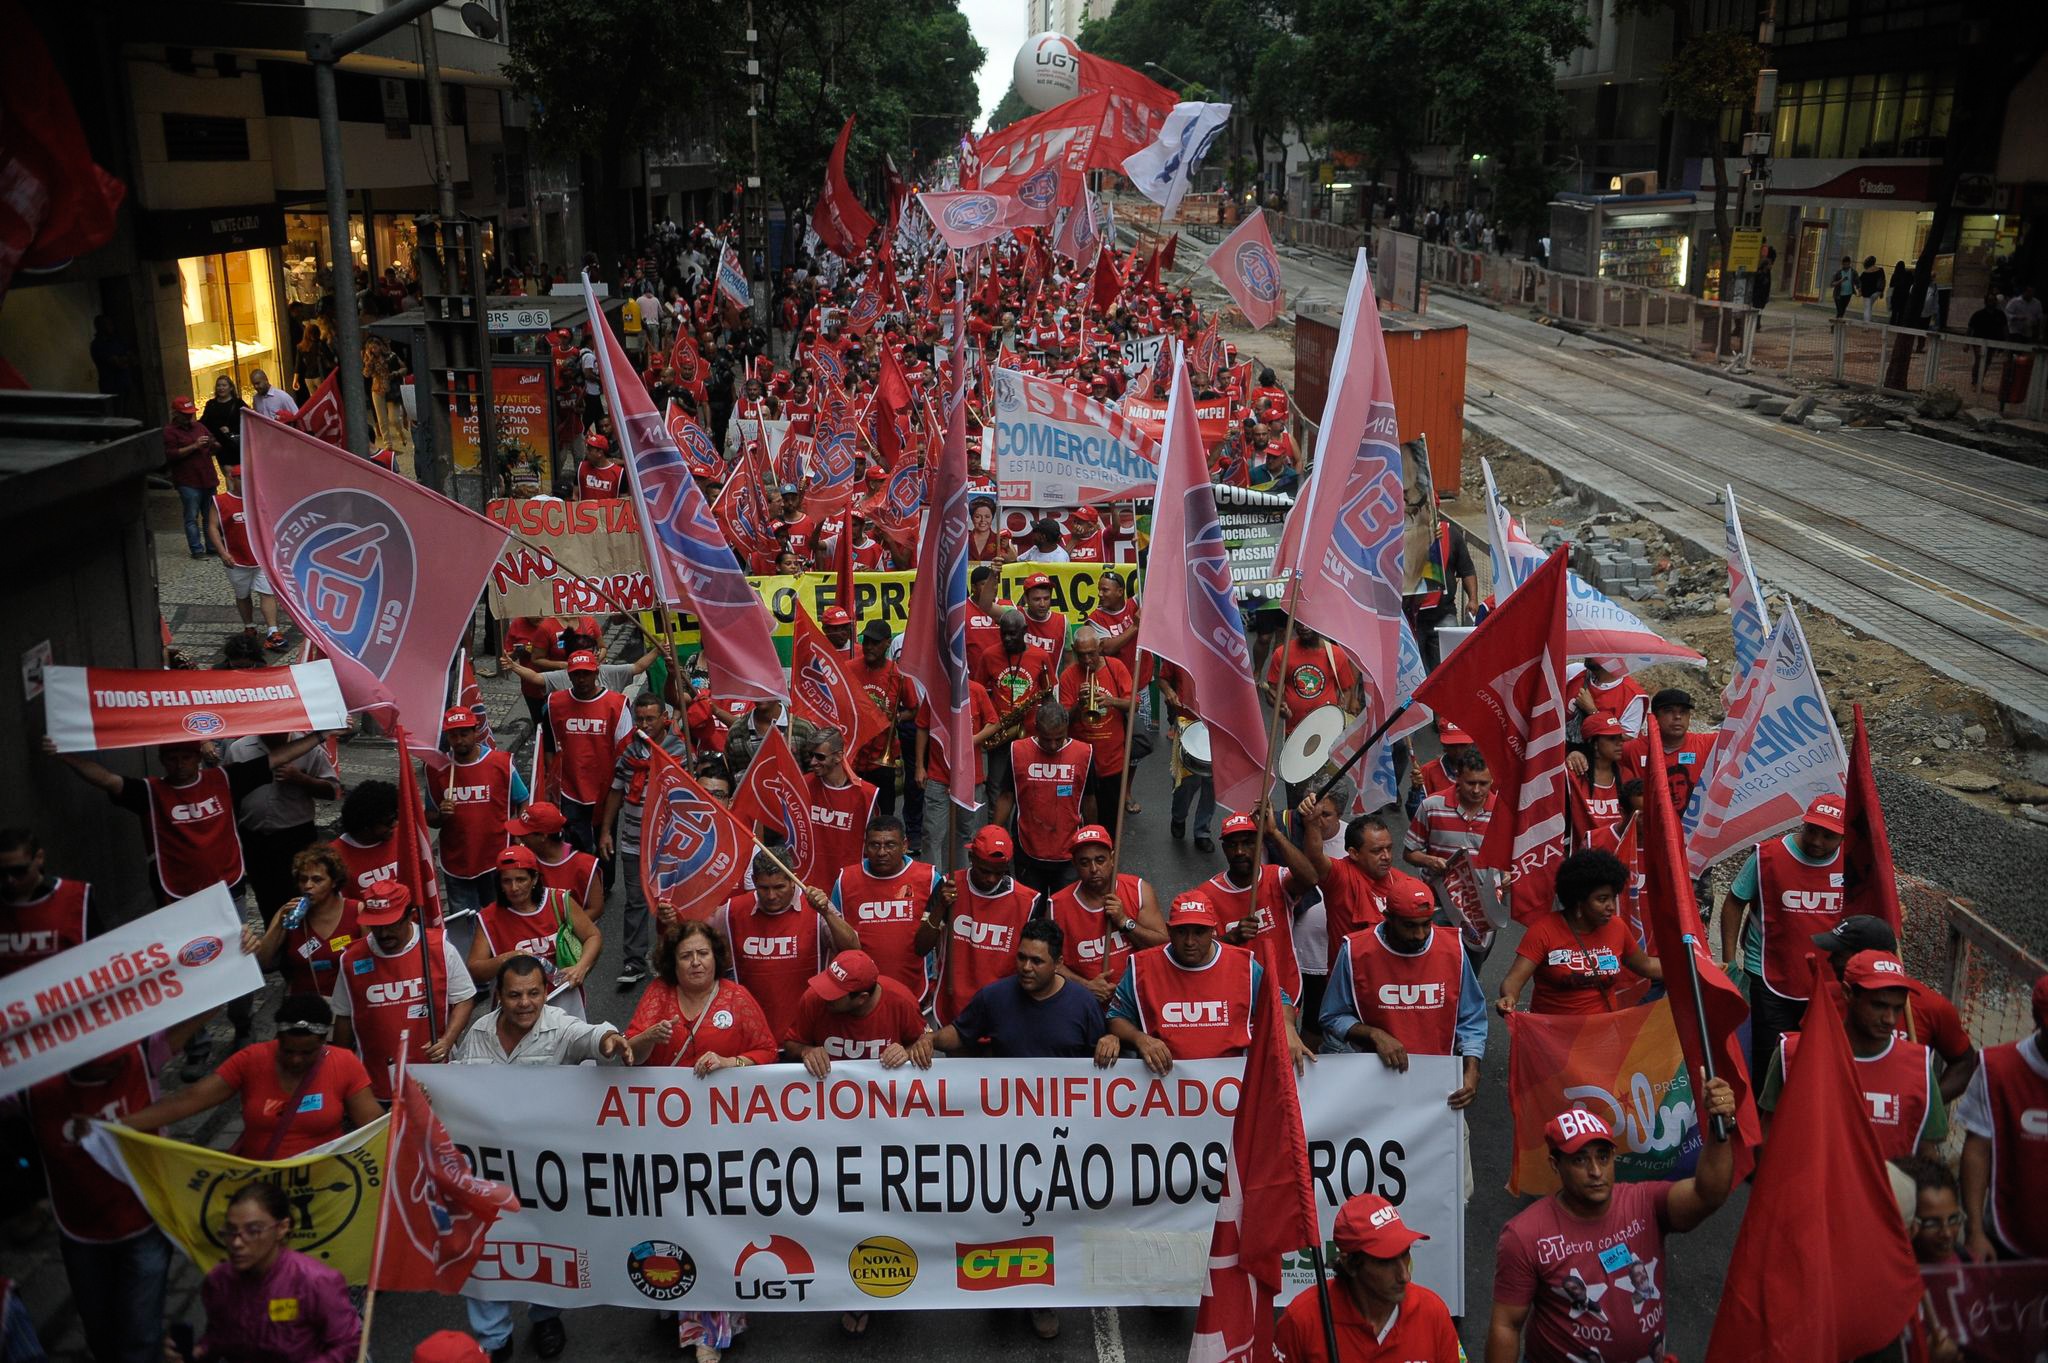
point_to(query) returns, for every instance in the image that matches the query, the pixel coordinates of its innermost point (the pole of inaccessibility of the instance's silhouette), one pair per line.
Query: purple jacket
(298, 1312)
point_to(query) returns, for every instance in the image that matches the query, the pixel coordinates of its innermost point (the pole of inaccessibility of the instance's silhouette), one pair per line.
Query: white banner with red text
(138, 979)
(975, 1184)
(92, 709)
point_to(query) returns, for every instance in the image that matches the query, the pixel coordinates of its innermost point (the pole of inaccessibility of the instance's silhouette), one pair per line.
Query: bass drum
(1194, 748)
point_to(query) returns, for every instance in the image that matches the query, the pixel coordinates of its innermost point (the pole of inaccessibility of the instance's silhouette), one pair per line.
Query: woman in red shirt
(306, 937)
(297, 1091)
(1581, 957)
(699, 1018)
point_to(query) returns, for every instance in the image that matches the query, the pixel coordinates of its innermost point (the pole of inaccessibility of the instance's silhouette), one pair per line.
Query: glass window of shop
(309, 261)
(231, 316)
(1893, 114)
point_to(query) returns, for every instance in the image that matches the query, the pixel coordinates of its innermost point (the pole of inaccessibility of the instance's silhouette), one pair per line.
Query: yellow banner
(886, 597)
(333, 1192)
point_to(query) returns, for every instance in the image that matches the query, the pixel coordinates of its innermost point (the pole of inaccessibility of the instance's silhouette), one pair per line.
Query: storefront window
(1888, 115)
(230, 306)
(310, 260)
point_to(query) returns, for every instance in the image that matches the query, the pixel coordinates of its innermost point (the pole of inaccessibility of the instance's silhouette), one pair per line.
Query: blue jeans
(192, 501)
(119, 1292)
(468, 894)
(491, 1321)
(636, 907)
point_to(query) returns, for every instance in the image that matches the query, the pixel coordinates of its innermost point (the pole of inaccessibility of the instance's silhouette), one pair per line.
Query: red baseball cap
(1090, 833)
(851, 972)
(516, 858)
(991, 844)
(837, 615)
(461, 717)
(183, 405)
(1875, 970)
(1193, 910)
(1413, 901)
(583, 661)
(384, 903)
(1450, 735)
(1599, 726)
(1037, 580)
(876, 473)
(1369, 1224)
(1084, 515)
(1573, 1129)
(448, 1346)
(596, 441)
(1239, 823)
(541, 816)
(1828, 812)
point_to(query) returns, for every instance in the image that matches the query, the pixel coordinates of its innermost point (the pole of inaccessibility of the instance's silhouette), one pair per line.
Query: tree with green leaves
(1713, 70)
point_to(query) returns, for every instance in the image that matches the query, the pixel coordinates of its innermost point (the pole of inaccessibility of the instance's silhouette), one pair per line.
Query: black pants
(267, 855)
(1770, 1017)
(1108, 791)
(1046, 877)
(883, 779)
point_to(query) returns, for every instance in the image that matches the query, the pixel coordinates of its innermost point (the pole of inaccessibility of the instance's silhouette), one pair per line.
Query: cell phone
(180, 1336)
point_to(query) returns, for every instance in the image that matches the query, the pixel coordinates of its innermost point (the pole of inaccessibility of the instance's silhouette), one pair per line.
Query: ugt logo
(352, 560)
(1257, 271)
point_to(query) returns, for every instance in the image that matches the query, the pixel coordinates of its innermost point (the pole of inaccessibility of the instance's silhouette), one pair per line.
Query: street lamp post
(1177, 80)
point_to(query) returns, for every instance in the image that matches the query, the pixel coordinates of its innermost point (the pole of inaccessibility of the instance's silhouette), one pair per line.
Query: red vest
(473, 832)
(595, 484)
(885, 911)
(981, 941)
(775, 954)
(588, 736)
(387, 997)
(1049, 791)
(578, 876)
(307, 962)
(90, 1204)
(1794, 901)
(1898, 1090)
(1412, 998)
(192, 829)
(2018, 1098)
(43, 927)
(1274, 945)
(366, 864)
(1081, 925)
(839, 826)
(505, 930)
(234, 529)
(1199, 1014)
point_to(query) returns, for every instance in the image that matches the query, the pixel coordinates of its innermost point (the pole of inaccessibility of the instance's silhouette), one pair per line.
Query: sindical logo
(882, 1266)
(661, 1270)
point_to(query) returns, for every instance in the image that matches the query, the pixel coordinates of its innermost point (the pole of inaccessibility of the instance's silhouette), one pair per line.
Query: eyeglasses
(231, 1232)
(1953, 1221)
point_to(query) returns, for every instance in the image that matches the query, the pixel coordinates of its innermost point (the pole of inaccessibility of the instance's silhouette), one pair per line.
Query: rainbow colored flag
(1627, 1066)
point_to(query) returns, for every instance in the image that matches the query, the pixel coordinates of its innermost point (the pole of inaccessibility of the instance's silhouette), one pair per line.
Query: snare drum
(1194, 748)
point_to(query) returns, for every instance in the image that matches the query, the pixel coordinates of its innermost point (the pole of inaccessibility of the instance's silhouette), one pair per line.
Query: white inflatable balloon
(1047, 71)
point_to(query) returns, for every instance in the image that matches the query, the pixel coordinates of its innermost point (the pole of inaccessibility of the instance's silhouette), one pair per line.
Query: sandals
(854, 1323)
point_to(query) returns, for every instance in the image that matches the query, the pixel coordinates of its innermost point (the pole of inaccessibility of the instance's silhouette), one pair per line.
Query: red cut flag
(1673, 920)
(1191, 615)
(414, 844)
(1346, 531)
(1247, 266)
(1505, 687)
(1109, 282)
(436, 1214)
(776, 794)
(693, 852)
(820, 690)
(687, 554)
(1867, 874)
(1148, 278)
(1268, 1207)
(1822, 1268)
(839, 220)
(935, 637)
(321, 417)
(382, 572)
(892, 405)
(1063, 138)
(1168, 252)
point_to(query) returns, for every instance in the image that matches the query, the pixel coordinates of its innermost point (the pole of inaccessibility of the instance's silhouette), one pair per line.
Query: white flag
(1162, 170)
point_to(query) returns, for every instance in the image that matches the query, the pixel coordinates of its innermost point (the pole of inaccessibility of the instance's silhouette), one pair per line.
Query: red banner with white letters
(96, 708)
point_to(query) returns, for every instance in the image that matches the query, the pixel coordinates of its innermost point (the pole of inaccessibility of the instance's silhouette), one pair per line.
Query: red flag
(1268, 1207)
(437, 1214)
(384, 573)
(322, 414)
(687, 554)
(892, 404)
(1149, 278)
(1873, 887)
(1062, 138)
(820, 690)
(1822, 1268)
(59, 204)
(1673, 919)
(415, 844)
(842, 571)
(1247, 266)
(839, 220)
(1169, 251)
(1191, 615)
(1505, 687)
(1109, 282)
(896, 191)
(693, 852)
(775, 794)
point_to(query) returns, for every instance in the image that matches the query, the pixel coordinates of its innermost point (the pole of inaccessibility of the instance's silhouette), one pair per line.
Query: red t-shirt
(846, 1037)
(252, 1073)
(1595, 1288)
(1318, 674)
(1563, 959)
(732, 1024)
(1421, 1329)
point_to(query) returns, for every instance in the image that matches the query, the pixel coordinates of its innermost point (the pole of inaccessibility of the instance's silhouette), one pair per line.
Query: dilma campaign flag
(1057, 447)
(687, 554)
(1161, 171)
(1246, 265)
(1345, 533)
(693, 852)
(384, 574)
(1625, 1066)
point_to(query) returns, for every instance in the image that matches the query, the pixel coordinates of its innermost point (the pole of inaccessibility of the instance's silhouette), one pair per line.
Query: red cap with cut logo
(851, 972)
(1875, 970)
(1828, 812)
(384, 903)
(1191, 910)
(1369, 1224)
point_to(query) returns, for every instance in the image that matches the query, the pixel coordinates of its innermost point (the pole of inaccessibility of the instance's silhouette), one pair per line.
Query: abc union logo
(1260, 273)
(972, 212)
(355, 569)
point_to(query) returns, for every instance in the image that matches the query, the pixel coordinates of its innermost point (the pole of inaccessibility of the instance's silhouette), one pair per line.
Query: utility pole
(755, 212)
(437, 118)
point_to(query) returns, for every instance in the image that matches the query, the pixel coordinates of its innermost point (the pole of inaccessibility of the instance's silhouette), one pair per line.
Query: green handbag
(568, 946)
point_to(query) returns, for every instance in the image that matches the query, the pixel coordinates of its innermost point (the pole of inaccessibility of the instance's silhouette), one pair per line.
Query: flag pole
(1123, 798)
(1363, 749)
(1699, 1013)
(384, 1198)
(1315, 1254)
(1272, 741)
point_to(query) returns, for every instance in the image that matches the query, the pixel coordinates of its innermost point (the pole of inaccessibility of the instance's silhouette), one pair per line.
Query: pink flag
(1078, 235)
(1191, 616)
(322, 415)
(687, 554)
(970, 217)
(1344, 534)
(382, 572)
(1246, 265)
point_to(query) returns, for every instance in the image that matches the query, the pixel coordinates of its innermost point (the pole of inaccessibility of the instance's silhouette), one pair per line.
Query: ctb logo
(1008, 1263)
(780, 1270)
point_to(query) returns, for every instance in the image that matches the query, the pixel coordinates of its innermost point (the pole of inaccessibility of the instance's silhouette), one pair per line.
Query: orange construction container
(1426, 363)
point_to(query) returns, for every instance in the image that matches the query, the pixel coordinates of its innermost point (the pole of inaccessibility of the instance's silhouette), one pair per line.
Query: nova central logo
(1008, 1263)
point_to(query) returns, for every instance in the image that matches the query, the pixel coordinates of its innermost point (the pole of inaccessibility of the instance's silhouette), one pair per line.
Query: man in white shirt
(274, 403)
(2023, 316)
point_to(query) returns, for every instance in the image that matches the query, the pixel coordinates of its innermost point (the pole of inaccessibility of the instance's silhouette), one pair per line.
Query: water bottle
(296, 914)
